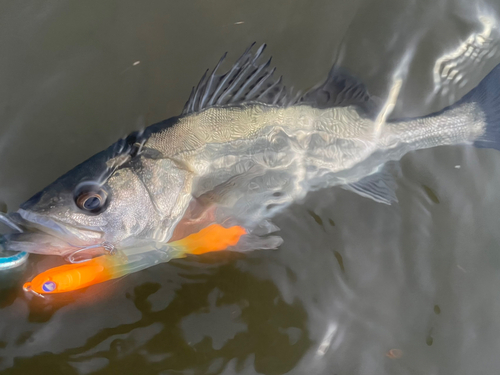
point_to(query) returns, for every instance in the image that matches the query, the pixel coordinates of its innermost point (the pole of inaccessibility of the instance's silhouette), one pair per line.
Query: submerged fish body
(243, 149)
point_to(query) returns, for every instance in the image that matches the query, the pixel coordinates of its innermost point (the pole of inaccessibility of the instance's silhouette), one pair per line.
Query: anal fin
(380, 186)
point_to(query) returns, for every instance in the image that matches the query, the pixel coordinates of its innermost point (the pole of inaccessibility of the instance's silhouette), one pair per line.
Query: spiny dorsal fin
(246, 81)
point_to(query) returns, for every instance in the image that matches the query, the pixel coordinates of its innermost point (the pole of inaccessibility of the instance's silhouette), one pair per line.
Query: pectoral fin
(198, 216)
(203, 210)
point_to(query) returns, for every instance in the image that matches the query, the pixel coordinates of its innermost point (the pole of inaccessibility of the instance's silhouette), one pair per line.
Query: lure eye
(49, 286)
(91, 199)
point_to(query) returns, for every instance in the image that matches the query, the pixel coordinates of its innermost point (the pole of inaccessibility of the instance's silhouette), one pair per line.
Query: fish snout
(30, 203)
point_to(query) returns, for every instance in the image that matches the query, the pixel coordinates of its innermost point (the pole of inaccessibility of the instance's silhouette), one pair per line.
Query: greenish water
(353, 280)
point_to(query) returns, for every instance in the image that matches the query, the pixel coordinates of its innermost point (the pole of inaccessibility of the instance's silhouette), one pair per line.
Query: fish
(244, 147)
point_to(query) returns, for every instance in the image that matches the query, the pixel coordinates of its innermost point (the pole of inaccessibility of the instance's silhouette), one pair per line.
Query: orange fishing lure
(71, 277)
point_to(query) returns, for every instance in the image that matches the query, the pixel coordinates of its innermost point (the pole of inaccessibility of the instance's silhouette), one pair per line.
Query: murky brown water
(356, 288)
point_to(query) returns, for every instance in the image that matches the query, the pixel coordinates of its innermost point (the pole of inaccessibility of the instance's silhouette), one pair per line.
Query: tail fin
(487, 95)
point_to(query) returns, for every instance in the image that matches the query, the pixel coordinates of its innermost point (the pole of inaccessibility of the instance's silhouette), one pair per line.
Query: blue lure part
(13, 261)
(16, 259)
(49, 286)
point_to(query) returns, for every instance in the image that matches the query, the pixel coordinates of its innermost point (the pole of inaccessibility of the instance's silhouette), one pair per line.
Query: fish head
(86, 211)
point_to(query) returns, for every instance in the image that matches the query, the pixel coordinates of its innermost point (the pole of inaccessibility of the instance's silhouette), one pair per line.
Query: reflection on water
(356, 288)
(471, 54)
(214, 318)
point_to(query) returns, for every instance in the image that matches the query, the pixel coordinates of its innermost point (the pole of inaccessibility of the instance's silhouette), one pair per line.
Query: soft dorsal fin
(248, 81)
(340, 89)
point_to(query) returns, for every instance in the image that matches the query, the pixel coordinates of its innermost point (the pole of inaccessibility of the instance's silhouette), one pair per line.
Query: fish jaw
(42, 235)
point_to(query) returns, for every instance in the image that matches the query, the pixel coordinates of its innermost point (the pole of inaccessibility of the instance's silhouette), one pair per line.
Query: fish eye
(91, 198)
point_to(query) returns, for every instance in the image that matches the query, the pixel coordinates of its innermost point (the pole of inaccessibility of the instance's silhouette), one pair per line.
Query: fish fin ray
(247, 81)
(380, 186)
(340, 89)
(252, 242)
(487, 96)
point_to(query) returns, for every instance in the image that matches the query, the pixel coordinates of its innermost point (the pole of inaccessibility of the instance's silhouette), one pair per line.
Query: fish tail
(487, 96)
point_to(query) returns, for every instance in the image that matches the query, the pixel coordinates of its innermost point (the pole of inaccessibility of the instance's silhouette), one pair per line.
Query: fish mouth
(34, 233)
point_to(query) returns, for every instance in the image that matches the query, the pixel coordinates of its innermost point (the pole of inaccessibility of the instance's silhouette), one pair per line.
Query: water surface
(357, 287)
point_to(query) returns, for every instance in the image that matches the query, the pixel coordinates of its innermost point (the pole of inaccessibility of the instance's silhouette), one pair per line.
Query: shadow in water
(229, 315)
